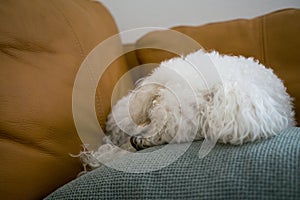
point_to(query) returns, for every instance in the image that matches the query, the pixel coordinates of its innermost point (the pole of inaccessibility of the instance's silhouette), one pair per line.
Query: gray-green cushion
(268, 169)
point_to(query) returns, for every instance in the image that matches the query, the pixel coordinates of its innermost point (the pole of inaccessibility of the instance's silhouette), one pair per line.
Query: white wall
(130, 14)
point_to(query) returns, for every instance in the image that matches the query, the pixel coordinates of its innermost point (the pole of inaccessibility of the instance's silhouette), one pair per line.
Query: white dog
(228, 99)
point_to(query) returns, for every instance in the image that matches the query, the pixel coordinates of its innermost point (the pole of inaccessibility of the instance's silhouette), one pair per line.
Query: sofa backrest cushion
(273, 39)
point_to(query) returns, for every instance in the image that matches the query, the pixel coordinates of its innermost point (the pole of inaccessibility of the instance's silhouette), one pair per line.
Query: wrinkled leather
(273, 39)
(42, 45)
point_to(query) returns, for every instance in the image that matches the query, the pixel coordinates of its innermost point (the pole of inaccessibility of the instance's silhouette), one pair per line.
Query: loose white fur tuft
(186, 99)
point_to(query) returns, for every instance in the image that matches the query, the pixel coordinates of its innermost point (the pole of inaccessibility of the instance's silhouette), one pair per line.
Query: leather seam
(262, 42)
(79, 45)
(69, 24)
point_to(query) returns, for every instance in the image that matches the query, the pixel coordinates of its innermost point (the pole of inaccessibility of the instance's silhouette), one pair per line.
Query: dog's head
(141, 102)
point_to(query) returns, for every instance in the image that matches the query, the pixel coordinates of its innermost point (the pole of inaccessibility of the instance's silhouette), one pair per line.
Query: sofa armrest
(42, 45)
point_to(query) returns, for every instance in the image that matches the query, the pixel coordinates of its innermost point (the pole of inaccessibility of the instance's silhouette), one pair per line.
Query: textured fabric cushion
(273, 39)
(268, 169)
(42, 45)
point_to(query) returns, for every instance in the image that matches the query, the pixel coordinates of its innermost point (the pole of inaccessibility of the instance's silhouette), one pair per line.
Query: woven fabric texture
(268, 169)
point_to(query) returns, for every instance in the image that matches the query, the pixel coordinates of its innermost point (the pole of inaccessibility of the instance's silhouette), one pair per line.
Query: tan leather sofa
(42, 45)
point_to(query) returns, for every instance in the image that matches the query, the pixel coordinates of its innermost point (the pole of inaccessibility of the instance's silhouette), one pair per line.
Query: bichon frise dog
(228, 99)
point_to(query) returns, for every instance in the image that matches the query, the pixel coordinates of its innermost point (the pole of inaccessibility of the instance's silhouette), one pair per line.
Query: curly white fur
(182, 100)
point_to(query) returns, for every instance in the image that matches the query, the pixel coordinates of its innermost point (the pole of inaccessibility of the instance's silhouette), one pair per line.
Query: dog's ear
(141, 101)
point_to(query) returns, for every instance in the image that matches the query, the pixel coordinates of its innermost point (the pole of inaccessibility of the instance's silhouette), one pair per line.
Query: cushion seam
(81, 49)
(69, 24)
(262, 40)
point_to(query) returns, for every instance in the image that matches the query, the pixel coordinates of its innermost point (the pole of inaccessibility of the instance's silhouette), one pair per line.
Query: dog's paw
(140, 142)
